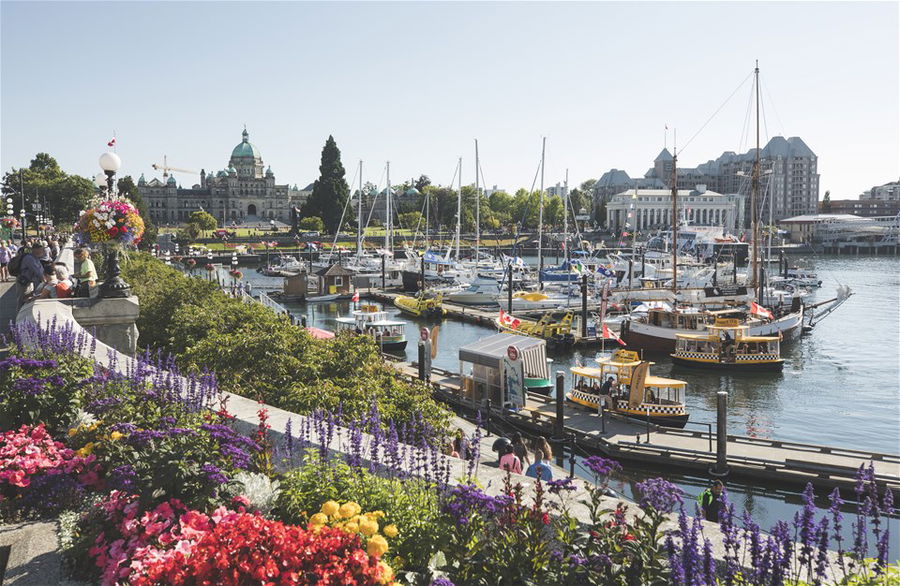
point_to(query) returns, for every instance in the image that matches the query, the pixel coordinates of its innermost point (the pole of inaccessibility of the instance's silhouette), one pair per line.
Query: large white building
(245, 191)
(648, 209)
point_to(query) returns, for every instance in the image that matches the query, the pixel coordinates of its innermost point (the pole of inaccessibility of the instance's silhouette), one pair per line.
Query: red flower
(114, 231)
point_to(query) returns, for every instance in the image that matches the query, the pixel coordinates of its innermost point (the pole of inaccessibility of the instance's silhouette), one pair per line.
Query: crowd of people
(33, 265)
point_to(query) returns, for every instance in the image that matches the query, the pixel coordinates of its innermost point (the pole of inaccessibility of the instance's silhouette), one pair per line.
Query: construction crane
(166, 168)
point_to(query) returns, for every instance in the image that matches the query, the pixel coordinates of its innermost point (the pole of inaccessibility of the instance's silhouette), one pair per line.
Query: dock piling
(559, 426)
(424, 361)
(721, 468)
(584, 289)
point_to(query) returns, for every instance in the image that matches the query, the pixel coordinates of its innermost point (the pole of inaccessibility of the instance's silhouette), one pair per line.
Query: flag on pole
(756, 309)
(355, 297)
(509, 321)
(112, 142)
(610, 335)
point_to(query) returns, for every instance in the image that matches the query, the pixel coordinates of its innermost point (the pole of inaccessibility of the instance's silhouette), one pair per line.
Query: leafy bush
(411, 505)
(259, 354)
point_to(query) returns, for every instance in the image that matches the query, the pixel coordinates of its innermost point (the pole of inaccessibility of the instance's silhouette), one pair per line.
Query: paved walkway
(7, 305)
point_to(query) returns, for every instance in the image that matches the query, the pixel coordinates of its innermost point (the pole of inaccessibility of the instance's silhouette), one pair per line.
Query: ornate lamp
(114, 286)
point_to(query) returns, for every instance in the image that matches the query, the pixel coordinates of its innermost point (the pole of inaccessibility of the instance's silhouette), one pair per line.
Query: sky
(415, 83)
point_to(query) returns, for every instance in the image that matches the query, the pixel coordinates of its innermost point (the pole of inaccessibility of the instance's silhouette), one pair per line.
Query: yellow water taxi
(623, 382)
(557, 332)
(421, 306)
(727, 345)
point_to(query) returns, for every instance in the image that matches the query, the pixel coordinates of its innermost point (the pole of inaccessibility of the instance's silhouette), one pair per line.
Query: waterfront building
(832, 230)
(867, 208)
(789, 178)
(649, 209)
(245, 191)
(887, 192)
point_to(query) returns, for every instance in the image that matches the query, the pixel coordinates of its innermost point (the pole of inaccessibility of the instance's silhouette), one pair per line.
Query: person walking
(539, 469)
(31, 273)
(4, 261)
(710, 501)
(520, 449)
(510, 462)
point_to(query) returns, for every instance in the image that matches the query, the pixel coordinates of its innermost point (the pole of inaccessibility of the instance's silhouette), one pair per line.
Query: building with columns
(245, 191)
(650, 209)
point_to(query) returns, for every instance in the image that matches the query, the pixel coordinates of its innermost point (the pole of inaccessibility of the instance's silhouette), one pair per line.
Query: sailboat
(657, 329)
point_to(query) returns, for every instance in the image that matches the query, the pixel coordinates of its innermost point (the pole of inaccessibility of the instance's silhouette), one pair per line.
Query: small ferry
(390, 335)
(727, 345)
(421, 305)
(557, 332)
(623, 382)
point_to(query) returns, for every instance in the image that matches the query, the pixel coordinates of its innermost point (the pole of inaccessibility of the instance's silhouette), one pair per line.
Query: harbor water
(840, 385)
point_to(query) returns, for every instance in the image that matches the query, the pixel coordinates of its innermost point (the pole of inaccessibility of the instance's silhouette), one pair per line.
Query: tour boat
(370, 320)
(421, 306)
(727, 345)
(557, 333)
(634, 393)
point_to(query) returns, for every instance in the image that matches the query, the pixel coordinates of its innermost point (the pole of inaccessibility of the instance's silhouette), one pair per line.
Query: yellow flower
(318, 519)
(116, 435)
(330, 508)
(391, 531)
(368, 527)
(351, 528)
(349, 509)
(72, 431)
(86, 450)
(377, 546)
(387, 573)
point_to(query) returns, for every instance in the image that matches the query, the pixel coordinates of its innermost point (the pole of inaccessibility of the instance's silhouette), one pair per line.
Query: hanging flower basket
(236, 274)
(191, 263)
(210, 268)
(10, 223)
(111, 220)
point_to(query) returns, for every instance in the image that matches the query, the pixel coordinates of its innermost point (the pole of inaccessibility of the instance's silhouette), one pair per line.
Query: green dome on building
(245, 148)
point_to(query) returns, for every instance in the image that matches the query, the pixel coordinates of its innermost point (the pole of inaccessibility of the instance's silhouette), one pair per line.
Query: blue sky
(415, 83)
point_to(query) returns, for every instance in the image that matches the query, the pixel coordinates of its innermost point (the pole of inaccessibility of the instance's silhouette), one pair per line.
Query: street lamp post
(114, 286)
(22, 219)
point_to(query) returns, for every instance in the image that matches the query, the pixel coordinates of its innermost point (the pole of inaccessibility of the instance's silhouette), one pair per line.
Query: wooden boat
(323, 298)
(369, 320)
(633, 393)
(557, 333)
(421, 306)
(727, 345)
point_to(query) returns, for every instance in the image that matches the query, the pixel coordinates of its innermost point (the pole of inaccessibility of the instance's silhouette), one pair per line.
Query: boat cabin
(489, 371)
(371, 320)
(681, 320)
(727, 344)
(334, 279)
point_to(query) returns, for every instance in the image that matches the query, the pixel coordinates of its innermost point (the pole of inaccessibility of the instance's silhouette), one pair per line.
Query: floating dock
(685, 450)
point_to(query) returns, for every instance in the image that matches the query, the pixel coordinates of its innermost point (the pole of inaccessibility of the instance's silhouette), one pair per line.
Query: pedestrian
(520, 449)
(461, 445)
(539, 469)
(509, 461)
(4, 261)
(31, 273)
(85, 271)
(710, 501)
(541, 443)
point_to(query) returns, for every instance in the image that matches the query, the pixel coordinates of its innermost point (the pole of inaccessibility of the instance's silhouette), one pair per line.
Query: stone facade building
(243, 192)
(648, 209)
(789, 178)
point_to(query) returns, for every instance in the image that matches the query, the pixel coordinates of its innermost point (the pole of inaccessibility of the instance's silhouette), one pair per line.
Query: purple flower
(441, 582)
(561, 485)
(214, 474)
(601, 467)
(660, 494)
(466, 500)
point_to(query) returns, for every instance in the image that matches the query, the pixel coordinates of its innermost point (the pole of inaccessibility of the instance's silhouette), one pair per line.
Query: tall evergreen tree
(330, 191)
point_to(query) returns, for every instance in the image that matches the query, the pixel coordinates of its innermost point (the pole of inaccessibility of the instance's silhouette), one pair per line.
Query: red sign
(423, 333)
(513, 353)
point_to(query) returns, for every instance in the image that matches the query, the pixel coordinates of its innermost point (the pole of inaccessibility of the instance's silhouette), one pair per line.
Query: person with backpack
(710, 501)
(30, 271)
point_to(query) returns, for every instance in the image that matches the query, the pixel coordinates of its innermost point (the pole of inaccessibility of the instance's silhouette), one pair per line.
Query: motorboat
(421, 306)
(479, 293)
(726, 345)
(622, 381)
(371, 321)
(557, 332)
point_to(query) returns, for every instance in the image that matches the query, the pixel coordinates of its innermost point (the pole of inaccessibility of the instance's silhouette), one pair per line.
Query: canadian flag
(112, 142)
(610, 335)
(756, 309)
(355, 297)
(509, 321)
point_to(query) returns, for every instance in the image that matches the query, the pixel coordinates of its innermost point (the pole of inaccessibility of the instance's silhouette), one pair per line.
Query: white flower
(259, 490)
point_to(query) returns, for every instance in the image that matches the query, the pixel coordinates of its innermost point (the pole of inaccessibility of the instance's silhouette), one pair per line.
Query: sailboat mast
(477, 211)
(566, 215)
(754, 198)
(541, 214)
(674, 220)
(388, 237)
(359, 220)
(458, 208)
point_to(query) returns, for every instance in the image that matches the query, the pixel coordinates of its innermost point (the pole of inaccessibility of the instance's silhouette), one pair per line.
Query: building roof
(814, 219)
(664, 155)
(246, 149)
(613, 177)
(335, 270)
(668, 192)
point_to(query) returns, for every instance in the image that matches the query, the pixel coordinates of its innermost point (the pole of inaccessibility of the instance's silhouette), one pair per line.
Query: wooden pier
(686, 450)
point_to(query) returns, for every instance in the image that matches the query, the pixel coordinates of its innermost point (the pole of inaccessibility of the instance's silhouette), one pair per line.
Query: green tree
(330, 191)
(826, 202)
(553, 211)
(410, 220)
(422, 182)
(44, 181)
(127, 188)
(204, 220)
(312, 224)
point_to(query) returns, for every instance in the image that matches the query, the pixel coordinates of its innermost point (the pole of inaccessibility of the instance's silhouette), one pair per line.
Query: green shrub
(411, 504)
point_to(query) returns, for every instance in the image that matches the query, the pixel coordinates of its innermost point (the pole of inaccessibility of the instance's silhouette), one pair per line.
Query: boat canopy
(435, 258)
(650, 381)
(491, 350)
